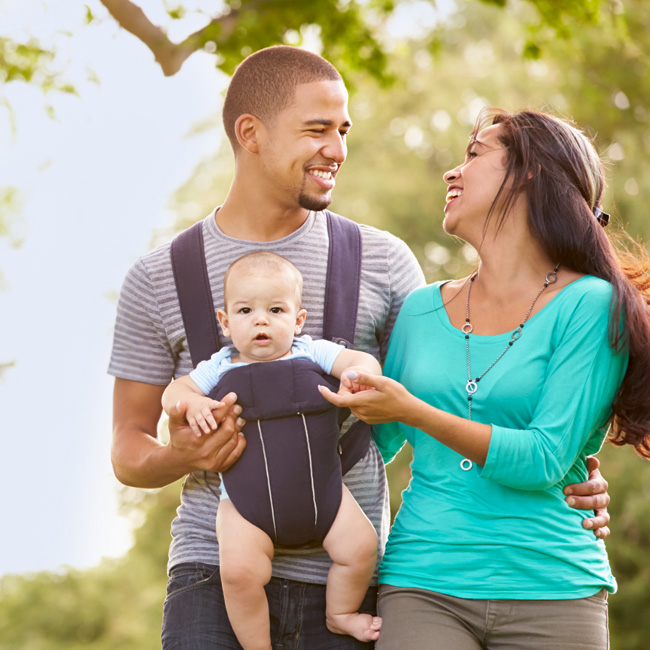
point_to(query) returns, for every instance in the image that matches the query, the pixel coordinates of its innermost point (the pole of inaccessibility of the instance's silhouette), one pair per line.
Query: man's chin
(315, 203)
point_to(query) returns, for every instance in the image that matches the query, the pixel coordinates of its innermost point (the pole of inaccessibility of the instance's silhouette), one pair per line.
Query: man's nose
(336, 148)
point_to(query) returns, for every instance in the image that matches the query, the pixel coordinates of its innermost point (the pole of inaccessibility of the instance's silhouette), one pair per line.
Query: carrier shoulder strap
(343, 280)
(195, 294)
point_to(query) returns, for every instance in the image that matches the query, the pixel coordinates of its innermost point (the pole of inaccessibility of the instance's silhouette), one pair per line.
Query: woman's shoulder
(423, 300)
(588, 291)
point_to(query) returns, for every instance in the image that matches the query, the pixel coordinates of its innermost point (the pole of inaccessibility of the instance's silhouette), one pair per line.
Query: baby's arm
(199, 407)
(350, 361)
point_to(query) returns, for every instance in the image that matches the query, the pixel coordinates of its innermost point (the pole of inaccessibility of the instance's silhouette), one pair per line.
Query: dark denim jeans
(194, 615)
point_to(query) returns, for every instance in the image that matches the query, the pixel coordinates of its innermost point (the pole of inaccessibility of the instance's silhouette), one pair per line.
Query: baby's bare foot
(363, 627)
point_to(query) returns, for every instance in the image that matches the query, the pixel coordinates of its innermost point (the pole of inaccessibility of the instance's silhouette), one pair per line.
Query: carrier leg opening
(352, 545)
(245, 553)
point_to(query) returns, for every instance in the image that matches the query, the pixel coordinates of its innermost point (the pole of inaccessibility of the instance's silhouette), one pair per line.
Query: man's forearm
(142, 461)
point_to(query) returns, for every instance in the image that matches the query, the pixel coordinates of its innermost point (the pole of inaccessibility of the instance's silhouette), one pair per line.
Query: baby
(263, 316)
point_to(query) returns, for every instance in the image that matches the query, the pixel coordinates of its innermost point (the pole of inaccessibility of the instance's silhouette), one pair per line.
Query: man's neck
(244, 217)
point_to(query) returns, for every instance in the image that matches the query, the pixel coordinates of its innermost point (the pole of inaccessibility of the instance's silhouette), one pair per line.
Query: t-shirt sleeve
(583, 377)
(141, 350)
(390, 437)
(324, 353)
(405, 275)
(208, 373)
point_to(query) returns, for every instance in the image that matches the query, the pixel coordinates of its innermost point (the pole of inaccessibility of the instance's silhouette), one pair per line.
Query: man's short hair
(265, 83)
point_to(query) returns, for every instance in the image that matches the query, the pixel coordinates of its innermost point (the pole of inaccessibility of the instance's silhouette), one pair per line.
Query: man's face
(304, 146)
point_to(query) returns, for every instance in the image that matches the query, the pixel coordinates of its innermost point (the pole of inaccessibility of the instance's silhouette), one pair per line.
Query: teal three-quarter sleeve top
(504, 531)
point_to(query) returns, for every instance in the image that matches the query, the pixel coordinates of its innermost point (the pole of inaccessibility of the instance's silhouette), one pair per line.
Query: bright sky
(94, 184)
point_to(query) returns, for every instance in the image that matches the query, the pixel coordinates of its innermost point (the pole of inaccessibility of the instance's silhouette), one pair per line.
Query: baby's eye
(245, 310)
(276, 310)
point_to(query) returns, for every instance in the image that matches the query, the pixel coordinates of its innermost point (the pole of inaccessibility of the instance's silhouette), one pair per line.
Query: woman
(508, 379)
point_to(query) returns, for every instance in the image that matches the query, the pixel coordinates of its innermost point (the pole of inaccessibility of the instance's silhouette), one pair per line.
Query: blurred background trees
(419, 77)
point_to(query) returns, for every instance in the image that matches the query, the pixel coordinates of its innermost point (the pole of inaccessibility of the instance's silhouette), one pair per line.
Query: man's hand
(141, 460)
(591, 494)
(216, 451)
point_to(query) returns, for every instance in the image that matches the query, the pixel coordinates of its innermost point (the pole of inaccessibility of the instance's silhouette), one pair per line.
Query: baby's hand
(199, 414)
(349, 385)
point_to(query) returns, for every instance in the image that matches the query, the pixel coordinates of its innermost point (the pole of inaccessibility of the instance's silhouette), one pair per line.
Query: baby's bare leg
(245, 553)
(352, 545)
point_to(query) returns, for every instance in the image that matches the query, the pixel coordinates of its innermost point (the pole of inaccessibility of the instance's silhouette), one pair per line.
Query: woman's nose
(451, 175)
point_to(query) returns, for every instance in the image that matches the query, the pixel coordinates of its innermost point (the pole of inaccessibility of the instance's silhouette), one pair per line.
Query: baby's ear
(223, 321)
(300, 320)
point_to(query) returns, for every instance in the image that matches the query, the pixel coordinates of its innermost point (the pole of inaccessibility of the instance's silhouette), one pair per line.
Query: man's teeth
(325, 175)
(452, 194)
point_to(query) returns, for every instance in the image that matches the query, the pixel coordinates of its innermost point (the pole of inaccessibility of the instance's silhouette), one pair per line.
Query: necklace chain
(472, 384)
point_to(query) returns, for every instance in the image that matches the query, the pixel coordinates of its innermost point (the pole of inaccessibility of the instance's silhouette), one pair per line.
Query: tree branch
(168, 54)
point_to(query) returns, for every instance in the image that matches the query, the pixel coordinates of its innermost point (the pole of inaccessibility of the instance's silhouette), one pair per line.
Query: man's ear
(223, 321)
(300, 321)
(246, 130)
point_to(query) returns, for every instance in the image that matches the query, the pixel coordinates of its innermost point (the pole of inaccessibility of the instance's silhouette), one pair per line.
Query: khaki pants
(416, 619)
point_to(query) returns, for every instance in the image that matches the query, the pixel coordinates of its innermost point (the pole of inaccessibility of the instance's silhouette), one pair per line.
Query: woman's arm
(391, 402)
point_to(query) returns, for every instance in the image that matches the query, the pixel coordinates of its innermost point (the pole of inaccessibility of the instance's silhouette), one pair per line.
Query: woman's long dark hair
(558, 169)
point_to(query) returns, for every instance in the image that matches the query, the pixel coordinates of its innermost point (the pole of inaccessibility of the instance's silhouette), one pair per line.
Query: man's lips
(323, 177)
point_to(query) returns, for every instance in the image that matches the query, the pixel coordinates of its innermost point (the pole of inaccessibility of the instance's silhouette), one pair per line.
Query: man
(286, 116)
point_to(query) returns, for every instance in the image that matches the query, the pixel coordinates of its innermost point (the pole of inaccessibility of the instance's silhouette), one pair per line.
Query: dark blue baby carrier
(294, 502)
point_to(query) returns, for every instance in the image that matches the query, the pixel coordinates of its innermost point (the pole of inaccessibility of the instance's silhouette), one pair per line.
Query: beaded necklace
(472, 384)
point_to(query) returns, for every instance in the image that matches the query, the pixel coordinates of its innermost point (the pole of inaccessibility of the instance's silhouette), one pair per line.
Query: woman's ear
(246, 131)
(223, 321)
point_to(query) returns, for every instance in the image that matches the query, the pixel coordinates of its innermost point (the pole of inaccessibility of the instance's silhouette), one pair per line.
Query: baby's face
(262, 314)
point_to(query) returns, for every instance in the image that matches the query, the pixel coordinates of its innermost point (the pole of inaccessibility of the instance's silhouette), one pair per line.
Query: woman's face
(473, 185)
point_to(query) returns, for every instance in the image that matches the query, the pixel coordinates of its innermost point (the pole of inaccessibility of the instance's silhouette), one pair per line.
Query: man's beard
(315, 203)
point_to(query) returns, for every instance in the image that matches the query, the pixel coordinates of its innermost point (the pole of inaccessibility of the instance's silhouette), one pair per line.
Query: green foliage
(115, 606)
(341, 28)
(31, 63)
(629, 488)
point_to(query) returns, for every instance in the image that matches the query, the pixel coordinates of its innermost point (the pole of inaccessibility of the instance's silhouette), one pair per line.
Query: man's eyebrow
(323, 122)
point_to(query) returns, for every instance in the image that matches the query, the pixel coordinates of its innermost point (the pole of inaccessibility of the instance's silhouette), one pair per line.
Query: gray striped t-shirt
(149, 346)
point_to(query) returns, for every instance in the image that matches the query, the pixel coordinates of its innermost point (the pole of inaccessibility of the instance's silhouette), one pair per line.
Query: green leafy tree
(349, 31)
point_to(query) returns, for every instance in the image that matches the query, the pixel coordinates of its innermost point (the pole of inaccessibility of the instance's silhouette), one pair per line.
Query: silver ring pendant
(466, 464)
(551, 277)
(471, 387)
(467, 328)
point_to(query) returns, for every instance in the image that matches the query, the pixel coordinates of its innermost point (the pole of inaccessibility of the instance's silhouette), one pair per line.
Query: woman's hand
(372, 398)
